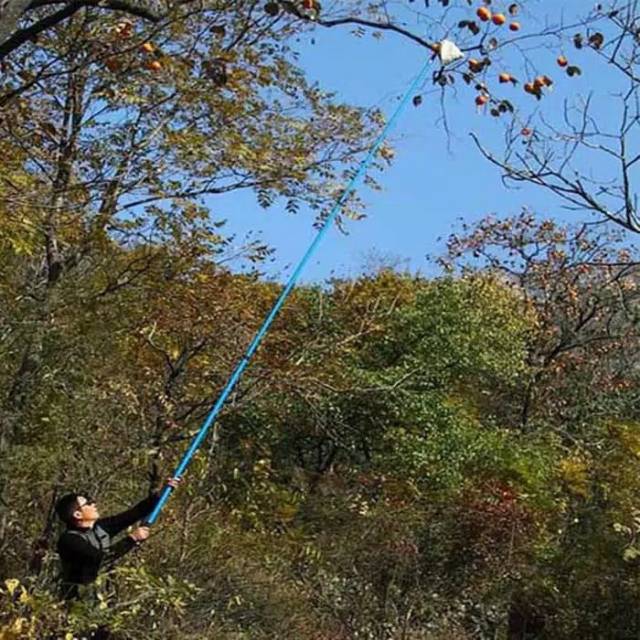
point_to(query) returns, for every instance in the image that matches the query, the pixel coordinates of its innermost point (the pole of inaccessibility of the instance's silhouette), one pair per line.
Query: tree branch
(9, 43)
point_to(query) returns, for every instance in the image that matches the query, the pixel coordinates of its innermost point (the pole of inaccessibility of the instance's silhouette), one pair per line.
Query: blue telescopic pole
(255, 343)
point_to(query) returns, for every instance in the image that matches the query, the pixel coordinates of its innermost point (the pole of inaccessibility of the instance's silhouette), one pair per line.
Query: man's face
(86, 509)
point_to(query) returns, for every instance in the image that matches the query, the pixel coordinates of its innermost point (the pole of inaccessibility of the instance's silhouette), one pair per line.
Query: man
(86, 545)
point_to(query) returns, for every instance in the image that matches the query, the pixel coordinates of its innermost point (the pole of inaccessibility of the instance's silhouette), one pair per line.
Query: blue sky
(433, 181)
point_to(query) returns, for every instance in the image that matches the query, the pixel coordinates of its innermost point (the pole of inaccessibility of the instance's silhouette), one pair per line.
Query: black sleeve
(120, 548)
(115, 524)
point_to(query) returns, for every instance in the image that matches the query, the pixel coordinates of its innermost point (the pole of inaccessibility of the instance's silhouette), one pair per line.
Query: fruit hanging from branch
(498, 19)
(505, 77)
(311, 9)
(124, 28)
(476, 66)
(484, 14)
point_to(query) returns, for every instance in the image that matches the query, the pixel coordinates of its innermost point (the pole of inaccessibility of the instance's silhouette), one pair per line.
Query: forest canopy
(409, 457)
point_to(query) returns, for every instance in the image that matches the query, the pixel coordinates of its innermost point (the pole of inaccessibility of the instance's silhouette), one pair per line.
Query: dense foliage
(406, 458)
(413, 458)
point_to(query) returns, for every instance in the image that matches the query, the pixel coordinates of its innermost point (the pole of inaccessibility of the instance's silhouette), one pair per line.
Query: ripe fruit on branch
(481, 100)
(311, 8)
(484, 14)
(498, 19)
(505, 77)
(147, 47)
(542, 81)
(123, 29)
(475, 65)
(154, 65)
(562, 61)
(514, 26)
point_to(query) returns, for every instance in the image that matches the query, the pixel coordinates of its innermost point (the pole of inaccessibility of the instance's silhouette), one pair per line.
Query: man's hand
(140, 534)
(174, 482)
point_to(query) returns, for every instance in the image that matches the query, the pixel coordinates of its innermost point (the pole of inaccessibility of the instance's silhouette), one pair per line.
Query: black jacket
(83, 550)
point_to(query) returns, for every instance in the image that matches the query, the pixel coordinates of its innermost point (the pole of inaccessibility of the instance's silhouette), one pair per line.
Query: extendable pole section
(255, 343)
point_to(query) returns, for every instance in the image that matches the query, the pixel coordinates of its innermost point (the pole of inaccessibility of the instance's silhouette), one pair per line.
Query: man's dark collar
(77, 527)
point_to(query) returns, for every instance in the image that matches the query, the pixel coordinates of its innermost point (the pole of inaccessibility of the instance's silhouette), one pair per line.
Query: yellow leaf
(575, 473)
(12, 584)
